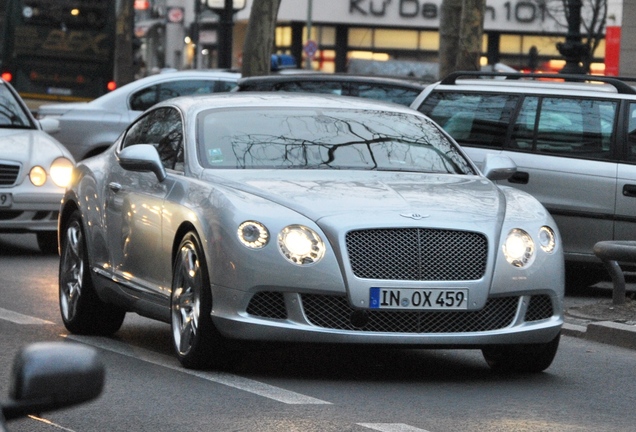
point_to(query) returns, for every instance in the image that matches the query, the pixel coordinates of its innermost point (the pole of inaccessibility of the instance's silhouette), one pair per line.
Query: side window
(143, 99)
(188, 87)
(224, 86)
(399, 95)
(631, 133)
(564, 126)
(311, 87)
(163, 129)
(473, 119)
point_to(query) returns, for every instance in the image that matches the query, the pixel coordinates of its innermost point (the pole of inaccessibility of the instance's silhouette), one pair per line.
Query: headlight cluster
(61, 171)
(519, 247)
(299, 244)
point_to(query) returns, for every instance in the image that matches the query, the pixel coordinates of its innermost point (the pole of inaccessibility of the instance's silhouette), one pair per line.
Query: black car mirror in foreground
(48, 376)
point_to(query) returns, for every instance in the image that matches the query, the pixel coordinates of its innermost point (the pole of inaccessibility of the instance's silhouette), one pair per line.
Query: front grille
(417, 254)
(540, 308)
(8, 174)
(267, 305)
(335, 313)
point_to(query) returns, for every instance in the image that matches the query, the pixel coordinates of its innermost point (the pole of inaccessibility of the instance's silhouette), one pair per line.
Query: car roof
(337, 77)
(268, 100)
(532, 83)
(165, 77)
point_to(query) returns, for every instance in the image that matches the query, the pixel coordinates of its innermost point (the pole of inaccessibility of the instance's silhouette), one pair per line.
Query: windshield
(325, 139)
(11, 113)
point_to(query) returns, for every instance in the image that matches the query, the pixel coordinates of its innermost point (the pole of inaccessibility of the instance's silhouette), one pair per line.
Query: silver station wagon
(294, 218)
(574, 144)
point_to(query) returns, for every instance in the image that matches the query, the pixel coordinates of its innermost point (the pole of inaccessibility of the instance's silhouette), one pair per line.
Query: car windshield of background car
(11, 113)
(311, 138)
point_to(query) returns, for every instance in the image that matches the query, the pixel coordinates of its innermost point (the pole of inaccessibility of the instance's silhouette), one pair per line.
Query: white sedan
(88, 128)
(34, 170)
(293, 218)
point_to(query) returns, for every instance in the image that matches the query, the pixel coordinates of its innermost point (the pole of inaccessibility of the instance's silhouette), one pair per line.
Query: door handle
(520, 177)
(629, 190)
(115, 187)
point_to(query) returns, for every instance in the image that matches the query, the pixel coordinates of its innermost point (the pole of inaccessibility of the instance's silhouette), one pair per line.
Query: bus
(58, 49)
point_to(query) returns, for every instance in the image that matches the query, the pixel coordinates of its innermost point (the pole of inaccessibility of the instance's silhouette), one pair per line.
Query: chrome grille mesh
(540, 308)
(268, 305)
(417, 254)
(8, 174)
(336, 313)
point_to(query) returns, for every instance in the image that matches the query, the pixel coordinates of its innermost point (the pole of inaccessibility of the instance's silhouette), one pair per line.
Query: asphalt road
(589, 387)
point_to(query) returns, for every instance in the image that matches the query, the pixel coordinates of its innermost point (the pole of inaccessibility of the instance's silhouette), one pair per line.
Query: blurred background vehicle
(396, 90)
(573, 138)
(88, 128)
(34, 170)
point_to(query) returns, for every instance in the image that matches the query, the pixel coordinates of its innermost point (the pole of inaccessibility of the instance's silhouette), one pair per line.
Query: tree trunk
(450, 17)
(461, 29)
(470, 35)
(259, 38)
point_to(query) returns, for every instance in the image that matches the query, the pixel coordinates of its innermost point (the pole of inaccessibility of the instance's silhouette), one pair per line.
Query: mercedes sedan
(287, 218)
(34, 170)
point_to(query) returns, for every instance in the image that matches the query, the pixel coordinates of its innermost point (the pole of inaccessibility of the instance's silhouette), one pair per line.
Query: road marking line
(230, 380)
(18, 318)
(391, 427)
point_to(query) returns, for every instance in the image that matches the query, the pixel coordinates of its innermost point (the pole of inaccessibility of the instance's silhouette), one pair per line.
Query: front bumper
(292, 317)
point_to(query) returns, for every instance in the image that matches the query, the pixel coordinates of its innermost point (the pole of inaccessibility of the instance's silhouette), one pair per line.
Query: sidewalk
(594, 316)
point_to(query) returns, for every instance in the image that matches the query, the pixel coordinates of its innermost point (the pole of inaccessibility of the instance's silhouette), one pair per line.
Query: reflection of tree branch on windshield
(359, 141)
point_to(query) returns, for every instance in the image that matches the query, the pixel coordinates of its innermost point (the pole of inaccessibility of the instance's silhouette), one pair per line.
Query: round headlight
(518, 248)
(301, 245)
(62, 172)
(37, 175)
(547, 239)
(253, 234)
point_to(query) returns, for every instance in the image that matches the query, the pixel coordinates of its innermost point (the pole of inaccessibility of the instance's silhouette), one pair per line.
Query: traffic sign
(310, 48)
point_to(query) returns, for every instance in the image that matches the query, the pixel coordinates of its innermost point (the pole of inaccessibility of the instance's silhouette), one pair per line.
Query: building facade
(522, 34)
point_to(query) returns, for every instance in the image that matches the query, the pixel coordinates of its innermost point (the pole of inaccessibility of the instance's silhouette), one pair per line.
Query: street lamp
(573, 49)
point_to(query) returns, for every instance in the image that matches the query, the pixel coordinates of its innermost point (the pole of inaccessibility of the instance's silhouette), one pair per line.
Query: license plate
(6, 200)
(419, 299)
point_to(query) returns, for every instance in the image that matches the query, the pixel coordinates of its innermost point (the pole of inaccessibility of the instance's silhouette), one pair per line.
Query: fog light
(37, 175)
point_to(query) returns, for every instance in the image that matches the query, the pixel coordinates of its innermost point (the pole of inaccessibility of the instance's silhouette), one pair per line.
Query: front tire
(82, 310)
(196, 341)
(526, 358)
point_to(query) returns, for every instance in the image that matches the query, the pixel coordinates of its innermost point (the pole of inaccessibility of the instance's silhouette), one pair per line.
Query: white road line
(391, 427)
(18, 318)
(230, 380)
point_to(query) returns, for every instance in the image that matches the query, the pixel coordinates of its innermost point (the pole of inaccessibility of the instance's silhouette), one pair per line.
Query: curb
(607, 332)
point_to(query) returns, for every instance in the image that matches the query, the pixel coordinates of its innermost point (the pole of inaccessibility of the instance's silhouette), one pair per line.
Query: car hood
(30, 146)
(371, 195)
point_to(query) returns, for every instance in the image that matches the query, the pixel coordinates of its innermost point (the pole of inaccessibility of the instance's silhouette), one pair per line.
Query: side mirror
(498, 167)
(142, 158)
(50, 125)
(48, 376)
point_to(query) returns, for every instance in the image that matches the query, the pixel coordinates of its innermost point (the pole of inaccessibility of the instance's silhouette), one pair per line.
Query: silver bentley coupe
(291, 218)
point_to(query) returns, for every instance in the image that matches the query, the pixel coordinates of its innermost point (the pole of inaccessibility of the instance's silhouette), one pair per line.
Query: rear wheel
(47, 241)
(82, 310)
(196, 341)
(527, 358)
